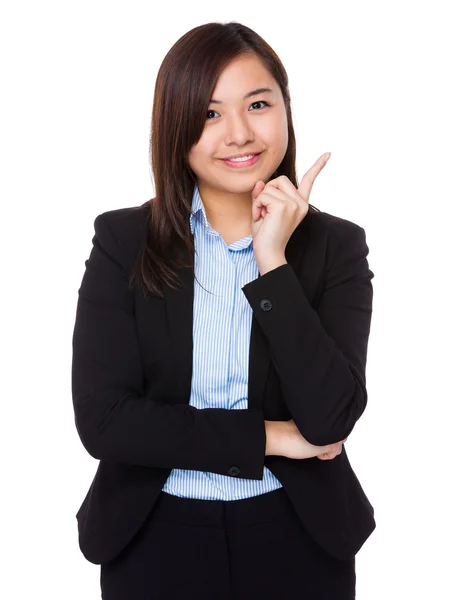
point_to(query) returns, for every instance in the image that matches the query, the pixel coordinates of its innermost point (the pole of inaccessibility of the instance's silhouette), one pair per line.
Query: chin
(243, 187)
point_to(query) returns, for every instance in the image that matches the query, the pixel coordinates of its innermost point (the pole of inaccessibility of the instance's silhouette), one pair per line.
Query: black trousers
(249, 549)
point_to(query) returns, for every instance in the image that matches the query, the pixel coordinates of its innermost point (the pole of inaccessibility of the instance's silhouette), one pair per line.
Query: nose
(238, 131)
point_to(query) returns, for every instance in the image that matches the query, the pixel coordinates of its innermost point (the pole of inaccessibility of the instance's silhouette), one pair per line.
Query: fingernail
(327, 156)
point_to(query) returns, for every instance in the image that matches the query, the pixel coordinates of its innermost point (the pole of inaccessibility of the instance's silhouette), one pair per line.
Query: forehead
(241, 75)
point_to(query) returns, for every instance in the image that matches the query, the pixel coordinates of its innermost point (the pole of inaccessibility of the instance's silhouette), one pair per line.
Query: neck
(226, 209)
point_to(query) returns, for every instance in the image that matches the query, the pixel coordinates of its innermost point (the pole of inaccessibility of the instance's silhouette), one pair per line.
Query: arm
(115, 419)
(320, 355)
(273, 436)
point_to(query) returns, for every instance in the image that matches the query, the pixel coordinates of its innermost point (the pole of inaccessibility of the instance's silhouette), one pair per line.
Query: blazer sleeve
(320, 355)
(115, 419)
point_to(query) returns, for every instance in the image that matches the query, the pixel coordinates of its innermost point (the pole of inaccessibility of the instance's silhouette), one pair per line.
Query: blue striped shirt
(221, 338)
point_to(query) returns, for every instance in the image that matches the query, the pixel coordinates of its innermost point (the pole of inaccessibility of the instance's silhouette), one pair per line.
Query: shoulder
(125, 222)
(341, 239)
(329, 224)
(333, 226)
(121, 231)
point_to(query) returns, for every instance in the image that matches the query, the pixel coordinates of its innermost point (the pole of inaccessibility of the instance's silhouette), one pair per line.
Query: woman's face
(237, 125)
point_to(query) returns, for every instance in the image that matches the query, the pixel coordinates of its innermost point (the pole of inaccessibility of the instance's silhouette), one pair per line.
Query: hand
(333, 452)
(294, 445)
(278, 208)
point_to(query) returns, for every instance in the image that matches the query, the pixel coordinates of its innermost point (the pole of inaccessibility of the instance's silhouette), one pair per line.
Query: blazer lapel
(179, 310)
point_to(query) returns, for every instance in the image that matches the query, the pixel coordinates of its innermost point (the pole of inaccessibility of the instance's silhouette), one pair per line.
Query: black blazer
(131, 379)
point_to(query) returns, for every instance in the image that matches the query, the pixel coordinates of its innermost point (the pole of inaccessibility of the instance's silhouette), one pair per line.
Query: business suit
(132, 371)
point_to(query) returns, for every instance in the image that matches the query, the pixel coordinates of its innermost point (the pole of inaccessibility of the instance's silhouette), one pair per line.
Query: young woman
(219, 352)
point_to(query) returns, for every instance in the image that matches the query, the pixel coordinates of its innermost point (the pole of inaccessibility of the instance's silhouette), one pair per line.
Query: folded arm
(115, 418)
(320, 355)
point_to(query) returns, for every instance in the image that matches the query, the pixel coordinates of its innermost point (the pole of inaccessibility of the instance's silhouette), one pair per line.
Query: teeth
(242, 158)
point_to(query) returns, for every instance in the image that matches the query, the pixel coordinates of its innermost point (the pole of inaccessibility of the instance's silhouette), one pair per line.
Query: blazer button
(266, 304)
(233, 470)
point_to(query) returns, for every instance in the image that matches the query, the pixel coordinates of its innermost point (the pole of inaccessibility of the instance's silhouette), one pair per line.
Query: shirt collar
(198, 209)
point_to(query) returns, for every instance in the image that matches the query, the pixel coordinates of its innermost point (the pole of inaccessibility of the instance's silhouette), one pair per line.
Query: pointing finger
(309, 177)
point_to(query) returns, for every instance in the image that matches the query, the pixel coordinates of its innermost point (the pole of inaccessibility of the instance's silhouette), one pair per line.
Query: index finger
(308, 179)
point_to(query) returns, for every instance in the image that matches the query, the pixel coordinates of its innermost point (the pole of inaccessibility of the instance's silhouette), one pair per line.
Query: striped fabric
(221, 338)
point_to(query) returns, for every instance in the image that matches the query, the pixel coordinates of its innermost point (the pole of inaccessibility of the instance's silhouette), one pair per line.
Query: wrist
(274, 431)
(269, 438)
(271, 263)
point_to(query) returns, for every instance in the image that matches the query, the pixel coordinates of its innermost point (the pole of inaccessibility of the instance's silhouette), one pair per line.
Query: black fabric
(251, 549)
(132, 369)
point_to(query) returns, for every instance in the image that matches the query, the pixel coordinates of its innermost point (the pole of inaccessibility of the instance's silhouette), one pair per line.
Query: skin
(243, 201)
(238, 126)
(285, 439)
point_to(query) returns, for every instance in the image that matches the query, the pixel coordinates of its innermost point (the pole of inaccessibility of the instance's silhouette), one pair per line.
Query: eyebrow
(248, 95)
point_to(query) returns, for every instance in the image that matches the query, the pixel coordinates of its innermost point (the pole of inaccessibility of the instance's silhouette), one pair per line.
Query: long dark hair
(184, 85)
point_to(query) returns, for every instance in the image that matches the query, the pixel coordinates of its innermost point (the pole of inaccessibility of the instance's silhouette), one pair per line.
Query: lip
(242, 164)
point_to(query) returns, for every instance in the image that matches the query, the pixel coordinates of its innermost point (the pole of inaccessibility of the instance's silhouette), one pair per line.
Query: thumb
(257, 189)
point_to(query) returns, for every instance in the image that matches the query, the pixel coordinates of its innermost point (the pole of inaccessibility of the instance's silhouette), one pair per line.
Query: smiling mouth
(241, 156)
(243, 161)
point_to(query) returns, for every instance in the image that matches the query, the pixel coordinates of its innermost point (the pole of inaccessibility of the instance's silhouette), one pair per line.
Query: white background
(370, 83)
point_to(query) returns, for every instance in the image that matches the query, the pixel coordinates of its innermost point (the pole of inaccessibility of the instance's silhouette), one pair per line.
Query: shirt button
(233, 471)
(266, 304)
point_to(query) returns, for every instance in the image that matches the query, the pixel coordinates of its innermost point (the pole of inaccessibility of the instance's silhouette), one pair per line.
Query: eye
(257, 102)
(261, 102)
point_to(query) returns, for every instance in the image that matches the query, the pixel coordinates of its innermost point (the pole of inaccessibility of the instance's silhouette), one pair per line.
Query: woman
(218, 410)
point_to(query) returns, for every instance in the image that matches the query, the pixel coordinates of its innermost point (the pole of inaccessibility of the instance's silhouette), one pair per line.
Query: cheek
(203, 151)
(275, 134)
(276, 144)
